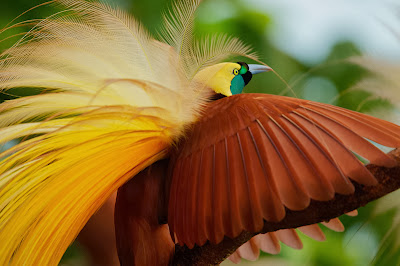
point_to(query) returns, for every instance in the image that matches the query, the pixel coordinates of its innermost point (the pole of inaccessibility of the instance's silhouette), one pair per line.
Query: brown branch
(318, 211)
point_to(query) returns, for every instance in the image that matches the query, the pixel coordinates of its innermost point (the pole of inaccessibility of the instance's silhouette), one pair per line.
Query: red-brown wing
(251, 155)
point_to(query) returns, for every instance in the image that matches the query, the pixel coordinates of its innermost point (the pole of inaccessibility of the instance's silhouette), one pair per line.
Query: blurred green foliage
(330, 81)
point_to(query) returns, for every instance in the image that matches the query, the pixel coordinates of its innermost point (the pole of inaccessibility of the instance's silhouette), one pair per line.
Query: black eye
(236, 72)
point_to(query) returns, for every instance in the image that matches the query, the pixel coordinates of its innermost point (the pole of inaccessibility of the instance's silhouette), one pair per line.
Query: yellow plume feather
(114, 100)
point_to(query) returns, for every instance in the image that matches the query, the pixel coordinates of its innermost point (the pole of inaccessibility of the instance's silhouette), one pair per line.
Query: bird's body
(115, 101)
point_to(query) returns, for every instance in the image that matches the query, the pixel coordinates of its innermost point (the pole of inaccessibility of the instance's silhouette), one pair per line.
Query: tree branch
(318, 211)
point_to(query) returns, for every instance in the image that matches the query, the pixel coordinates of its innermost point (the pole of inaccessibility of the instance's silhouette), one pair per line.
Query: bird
(164, 120)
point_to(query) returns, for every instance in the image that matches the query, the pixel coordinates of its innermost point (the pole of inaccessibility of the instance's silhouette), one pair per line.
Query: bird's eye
(236, 72)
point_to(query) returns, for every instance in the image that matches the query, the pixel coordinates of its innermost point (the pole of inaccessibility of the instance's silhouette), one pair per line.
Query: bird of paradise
(116, 100)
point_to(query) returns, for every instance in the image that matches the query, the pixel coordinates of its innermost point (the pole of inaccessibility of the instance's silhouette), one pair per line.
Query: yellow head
(228, 78)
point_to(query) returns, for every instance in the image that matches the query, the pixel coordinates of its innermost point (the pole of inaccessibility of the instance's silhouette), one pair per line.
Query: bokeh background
(311, 45)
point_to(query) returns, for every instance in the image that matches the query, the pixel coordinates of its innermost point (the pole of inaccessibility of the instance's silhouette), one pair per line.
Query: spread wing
(253, 155)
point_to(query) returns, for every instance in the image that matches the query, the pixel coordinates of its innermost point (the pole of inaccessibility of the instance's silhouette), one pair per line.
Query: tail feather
(49, 191)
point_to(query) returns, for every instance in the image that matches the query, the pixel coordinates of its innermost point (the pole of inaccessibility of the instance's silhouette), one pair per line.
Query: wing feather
(249, 250)
(204, 190)
(187, 205)
(290, 238)
(254, 221)
(261, 154)
(290, 193)
(181, 205)
(230, 230)
(351, 139)
(269, 243)
(320, 157)
(271, 206)
(334, 224)
(372, 128)
(313, 231)
(239, 197)
(221, 200)
(315, 186)
(348, 162)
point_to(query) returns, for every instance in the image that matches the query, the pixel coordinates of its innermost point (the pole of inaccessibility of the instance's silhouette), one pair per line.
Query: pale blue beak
(255, 69)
